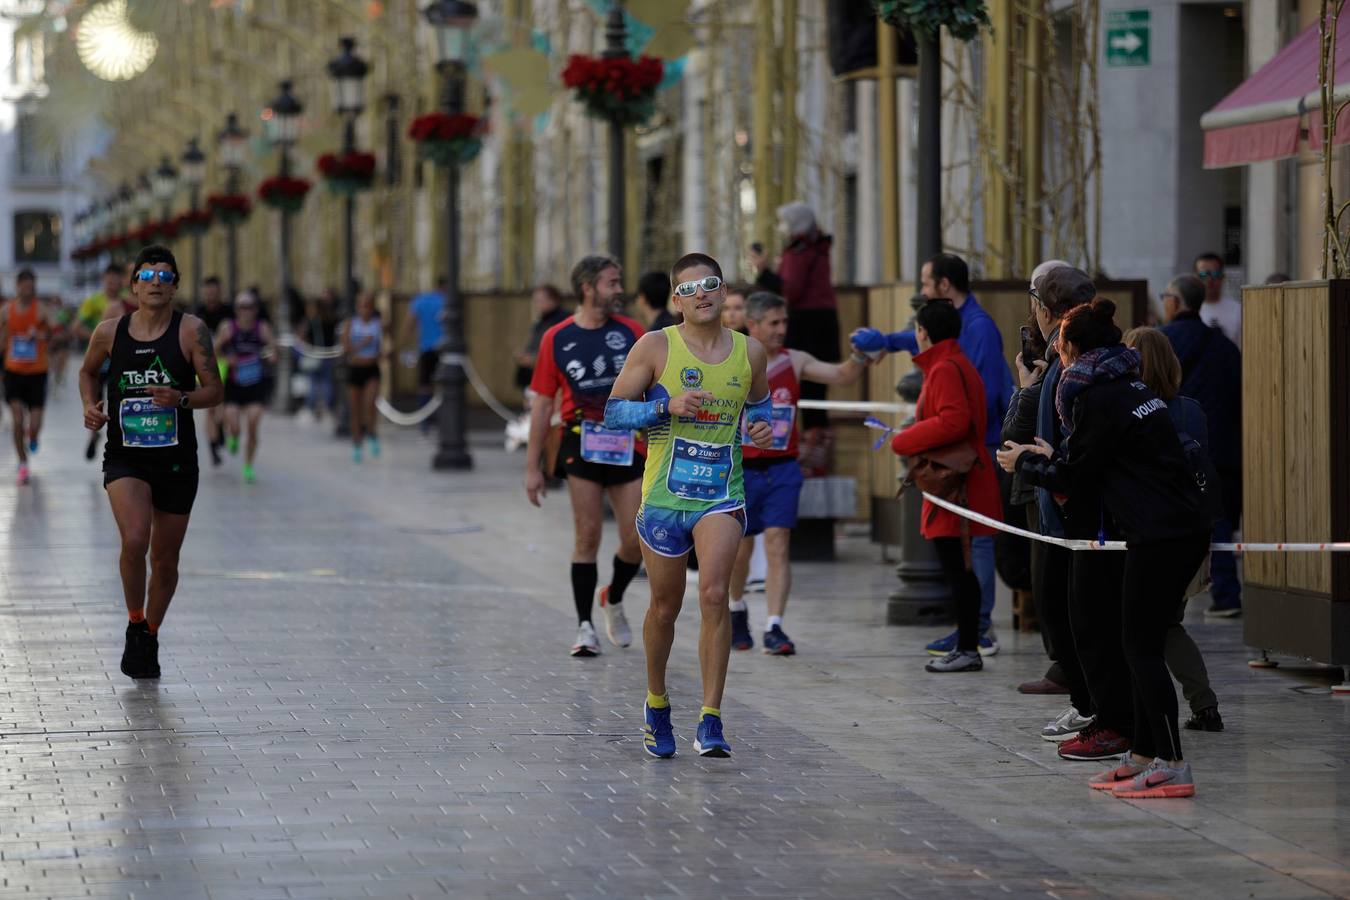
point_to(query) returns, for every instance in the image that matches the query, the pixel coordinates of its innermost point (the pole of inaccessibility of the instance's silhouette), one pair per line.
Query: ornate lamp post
(164, 184)
(452, 20)
(233, 144)
(282, 126)
(144, 197)
(348, 72)
(616, 36)
(193, 163)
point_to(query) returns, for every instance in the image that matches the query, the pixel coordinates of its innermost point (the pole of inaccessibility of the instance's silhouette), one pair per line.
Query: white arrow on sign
(1129, 42)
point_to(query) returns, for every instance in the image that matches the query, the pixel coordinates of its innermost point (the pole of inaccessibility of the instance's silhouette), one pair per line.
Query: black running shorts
(571, 465)
(248, 395)
(170, 492)
(360, 376)
(30, 390)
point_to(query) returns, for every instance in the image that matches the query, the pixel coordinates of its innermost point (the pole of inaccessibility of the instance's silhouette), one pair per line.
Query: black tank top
(140, 432)
(244, 351)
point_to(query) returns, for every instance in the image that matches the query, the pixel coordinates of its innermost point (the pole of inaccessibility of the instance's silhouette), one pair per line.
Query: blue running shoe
(658, 738)
(942, 646)
(709, 741)
(740, 630)
(375, 447)
(356, 453)
(32, 445)
(778, 644)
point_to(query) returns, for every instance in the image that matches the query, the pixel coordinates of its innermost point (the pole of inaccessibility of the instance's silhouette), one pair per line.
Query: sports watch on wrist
(184, 400)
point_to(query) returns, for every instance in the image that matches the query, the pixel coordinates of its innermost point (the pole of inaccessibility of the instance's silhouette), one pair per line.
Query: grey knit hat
(797, 218)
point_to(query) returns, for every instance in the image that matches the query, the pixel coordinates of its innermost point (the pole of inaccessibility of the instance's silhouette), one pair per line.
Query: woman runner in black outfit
(1122, 448)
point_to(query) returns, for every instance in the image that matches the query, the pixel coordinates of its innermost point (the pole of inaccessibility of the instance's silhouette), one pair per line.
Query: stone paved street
(367, 693)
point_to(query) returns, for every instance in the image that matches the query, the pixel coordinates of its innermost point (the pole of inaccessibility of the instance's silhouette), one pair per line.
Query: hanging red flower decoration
(618, 89)
(348, 173)
(193, 221)
(448, 139)
(229, 208)
(284, 192)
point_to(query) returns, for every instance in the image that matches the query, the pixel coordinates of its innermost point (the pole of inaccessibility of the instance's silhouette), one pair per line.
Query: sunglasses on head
(165, 277)
(1210, 274)
(690, 288)
(1034, 294)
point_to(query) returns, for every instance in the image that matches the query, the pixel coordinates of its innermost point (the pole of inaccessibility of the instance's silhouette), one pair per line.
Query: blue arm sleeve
(759, 411)
(903, 340)
(633, 415)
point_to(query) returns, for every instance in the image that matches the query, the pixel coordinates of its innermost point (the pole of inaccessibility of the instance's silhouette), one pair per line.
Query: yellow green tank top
(695, 463)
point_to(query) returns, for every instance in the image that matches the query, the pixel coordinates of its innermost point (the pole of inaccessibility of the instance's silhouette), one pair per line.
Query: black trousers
(1052, 577)
(965, 590)
(1153, 583)
(1094, 612)
(815, 331)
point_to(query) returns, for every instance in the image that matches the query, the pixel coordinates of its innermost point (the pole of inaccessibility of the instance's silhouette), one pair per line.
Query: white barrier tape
(407, 420)
(462, 360)
(313, 352)
(857, 406)
(1073, 544)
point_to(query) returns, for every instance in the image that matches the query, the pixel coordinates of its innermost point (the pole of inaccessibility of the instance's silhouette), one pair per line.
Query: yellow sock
(709, 711)
(656, 702)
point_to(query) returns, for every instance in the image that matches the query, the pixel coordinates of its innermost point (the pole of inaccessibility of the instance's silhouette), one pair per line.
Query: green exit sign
(1127, 37)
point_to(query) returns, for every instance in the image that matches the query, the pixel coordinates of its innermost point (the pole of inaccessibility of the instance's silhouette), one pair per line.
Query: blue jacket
(1211, 368)
(1188, 417)
(983, 346)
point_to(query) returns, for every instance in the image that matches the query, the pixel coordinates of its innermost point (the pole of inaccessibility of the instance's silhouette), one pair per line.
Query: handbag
(942, 471)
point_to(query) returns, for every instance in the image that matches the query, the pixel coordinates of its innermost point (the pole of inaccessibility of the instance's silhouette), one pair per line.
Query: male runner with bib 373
(158, 355)
(581, 356)
(688, 385)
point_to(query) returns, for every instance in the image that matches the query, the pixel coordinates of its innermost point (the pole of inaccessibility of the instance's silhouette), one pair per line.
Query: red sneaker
(1094, 742)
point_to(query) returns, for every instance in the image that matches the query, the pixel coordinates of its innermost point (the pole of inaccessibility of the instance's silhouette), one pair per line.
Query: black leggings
(1094, 613)
(1155, 579)
(1052, 572)
(965, 590)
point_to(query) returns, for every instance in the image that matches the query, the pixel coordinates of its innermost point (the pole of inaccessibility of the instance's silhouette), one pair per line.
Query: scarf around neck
(1093, 367)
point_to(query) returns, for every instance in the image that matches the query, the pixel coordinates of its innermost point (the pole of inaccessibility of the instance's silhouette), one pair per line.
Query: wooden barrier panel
(1296, 465)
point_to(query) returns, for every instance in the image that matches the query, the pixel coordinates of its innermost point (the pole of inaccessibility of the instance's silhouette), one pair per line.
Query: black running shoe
(215, 453)
(740, 629)
(140, 658)
(1205, 720)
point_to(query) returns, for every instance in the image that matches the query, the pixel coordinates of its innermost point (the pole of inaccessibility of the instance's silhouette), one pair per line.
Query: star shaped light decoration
(109, 46)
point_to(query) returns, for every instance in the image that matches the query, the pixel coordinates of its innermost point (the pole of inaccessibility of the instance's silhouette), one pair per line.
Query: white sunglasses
(690, 288)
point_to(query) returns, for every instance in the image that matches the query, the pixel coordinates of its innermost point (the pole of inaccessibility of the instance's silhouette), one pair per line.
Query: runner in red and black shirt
(773, 481)
(581, 357)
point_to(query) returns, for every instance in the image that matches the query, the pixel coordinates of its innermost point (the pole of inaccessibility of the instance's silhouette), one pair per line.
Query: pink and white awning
(1263, 118)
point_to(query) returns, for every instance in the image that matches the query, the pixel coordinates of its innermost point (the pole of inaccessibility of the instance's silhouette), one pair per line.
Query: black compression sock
(584, 578)
(624, 572)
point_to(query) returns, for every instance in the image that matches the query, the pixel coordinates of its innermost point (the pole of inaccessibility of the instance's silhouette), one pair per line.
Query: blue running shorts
(771, 495)
(670, 532)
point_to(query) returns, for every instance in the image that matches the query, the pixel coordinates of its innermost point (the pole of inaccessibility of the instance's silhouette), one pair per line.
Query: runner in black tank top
(246, 343)
(157, 357)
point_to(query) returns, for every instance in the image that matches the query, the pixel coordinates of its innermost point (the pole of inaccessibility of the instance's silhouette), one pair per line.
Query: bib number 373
(146, 424)
(699, 471)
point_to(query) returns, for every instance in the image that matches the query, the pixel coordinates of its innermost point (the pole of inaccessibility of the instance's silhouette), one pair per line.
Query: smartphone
(1029, 356)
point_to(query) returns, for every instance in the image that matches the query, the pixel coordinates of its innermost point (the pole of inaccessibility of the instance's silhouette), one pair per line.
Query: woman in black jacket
(1121, 447)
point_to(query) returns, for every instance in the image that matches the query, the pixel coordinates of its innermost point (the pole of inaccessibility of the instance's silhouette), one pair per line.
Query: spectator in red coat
(952, 410)
(804, 280)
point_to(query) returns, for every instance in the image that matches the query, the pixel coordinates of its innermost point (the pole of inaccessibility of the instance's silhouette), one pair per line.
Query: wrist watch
(660, 407)
(184, 400)
(858, 358)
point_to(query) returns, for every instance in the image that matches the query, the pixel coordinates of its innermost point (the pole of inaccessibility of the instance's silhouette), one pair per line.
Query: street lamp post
(233, 144)
(164, 182)
(348, 72)
(616, 36)
(144, 198)
(282, 125)
(194, 173)
(452, 20)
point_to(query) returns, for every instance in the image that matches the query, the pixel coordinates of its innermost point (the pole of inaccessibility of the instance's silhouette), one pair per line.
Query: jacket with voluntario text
(1123, 448)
